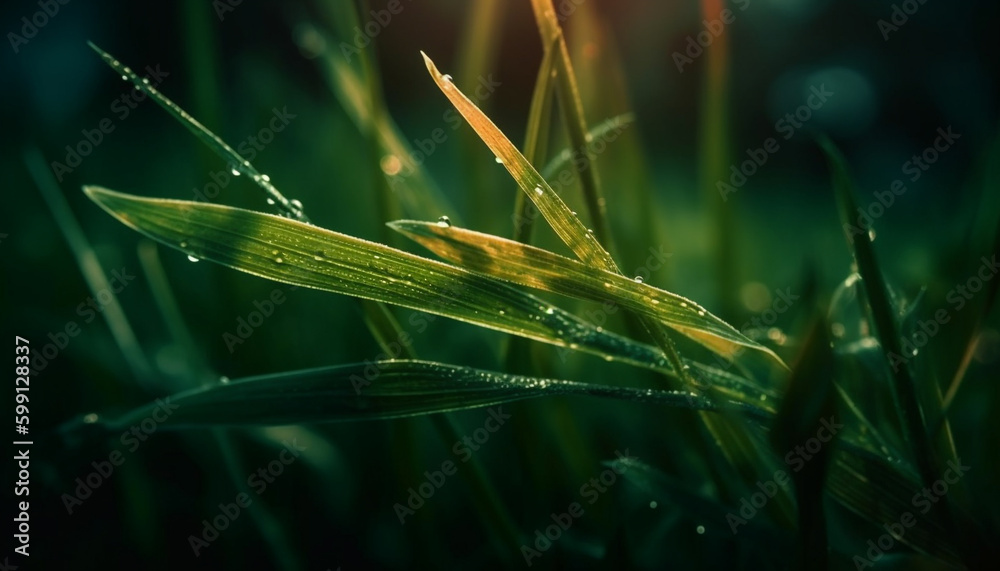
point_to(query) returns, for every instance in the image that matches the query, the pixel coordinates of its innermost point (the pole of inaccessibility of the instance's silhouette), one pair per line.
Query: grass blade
(236, 161)
(535, 140)
(568, 227)
(906, 393)
(882, 315)
(533, 267)
(576, 122)
(402, 388)
(301, 254)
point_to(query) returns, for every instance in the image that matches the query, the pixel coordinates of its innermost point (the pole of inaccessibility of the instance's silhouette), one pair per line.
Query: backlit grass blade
(297, 253)
(537, 268)
(567, 226)
(236, 161)
(371, 391)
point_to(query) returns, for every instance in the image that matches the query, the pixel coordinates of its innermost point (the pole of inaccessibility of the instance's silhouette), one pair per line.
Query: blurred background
(892, 87)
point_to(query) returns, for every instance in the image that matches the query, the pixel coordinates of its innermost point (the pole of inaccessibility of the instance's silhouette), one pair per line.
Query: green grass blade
(882, 316)
(286, 250)
(537, 268)
(866, 485)
(398, 389)
(236, 161)
(808, 402)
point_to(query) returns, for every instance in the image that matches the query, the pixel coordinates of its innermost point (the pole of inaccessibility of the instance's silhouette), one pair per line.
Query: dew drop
(444, 222)
(224, 379)
(871, 234)
(91, 418)
(502, 312)
(652, 505)
(447, 78)
(538, 190)
(265, 178)
(319, 256)
(275, 252)
(295, 203)
(638, 279)
(192, 258)
(183, 244)
(498, 160)
(701, 313)
(700, 529)
(125, 77)
(278, 260)
(550, 311)
(234, 171)
(270, 201)
(684, 304)
(599, 329)
(915, 351)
